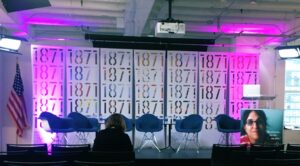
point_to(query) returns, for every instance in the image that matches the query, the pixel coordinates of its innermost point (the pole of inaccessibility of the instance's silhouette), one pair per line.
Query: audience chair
(110, 156)
(246, 158)
(70, 149)
(294, 147)
(35, 163)
(149, 124)
(128, 122)
(54, 124)
(276, 162)
(28, 148)
(221, 153)
(103, 163)
(291, 154)
(190, 126)
(107, 158)
(227, 126)
(275, 147)
(84, 125)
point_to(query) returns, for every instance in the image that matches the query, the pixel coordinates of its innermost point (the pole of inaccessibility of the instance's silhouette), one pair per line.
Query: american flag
(16, 104)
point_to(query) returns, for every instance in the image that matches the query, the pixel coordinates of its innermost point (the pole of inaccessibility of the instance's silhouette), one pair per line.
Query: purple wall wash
(48, 75)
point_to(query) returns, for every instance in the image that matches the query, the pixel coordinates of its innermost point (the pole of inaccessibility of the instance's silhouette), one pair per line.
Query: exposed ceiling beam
(136, 16)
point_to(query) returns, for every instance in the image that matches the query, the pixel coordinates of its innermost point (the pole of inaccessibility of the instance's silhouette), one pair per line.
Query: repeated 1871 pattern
(48, 82)
(212, 86)
(83, 81)
(182, 83)
(243, 70)
(149, 82)
(116, 81)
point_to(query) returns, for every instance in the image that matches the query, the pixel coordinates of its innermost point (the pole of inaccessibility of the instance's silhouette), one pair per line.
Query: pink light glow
(236, 28)
(250, 29)
(50, 21)
(202, 28)
(20, 34)
(47, 87)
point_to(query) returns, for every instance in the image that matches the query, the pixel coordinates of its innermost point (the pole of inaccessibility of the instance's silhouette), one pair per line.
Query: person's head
(115, 121)
(254, 124)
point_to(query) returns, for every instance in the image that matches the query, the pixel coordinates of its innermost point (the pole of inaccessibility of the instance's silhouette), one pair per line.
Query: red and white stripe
(17, 110)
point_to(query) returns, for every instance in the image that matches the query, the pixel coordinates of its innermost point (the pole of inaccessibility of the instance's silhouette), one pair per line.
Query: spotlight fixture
(289, 52)
(10, 43)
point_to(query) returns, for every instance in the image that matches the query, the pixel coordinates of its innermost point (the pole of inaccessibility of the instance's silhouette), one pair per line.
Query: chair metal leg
(60, 138)
(222, 139)
(146, 138)
(186, 138)
(143, 142)
(196, 141)
(83, 137)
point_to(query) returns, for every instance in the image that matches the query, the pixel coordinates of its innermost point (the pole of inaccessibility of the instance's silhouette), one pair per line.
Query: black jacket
(112, 139)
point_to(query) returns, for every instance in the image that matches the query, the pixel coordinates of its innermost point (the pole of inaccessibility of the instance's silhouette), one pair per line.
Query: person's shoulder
(244, 139)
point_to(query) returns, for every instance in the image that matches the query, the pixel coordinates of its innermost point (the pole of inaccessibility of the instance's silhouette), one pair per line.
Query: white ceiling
(209, 19)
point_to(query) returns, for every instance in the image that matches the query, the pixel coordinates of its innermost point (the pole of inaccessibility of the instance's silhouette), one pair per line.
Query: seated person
(113, 137)
(254, 128)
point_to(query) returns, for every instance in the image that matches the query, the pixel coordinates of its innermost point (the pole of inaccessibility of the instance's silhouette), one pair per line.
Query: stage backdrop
(169, 84)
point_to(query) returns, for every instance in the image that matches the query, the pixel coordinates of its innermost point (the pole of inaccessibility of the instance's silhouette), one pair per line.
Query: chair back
(55, 123)
(221, 153)
(57, 149)
(29, 148)
(276, 162)
(110, 156)
(190, 124)
(83, 123)
(293, 147)
(275, 147)
(246, 158)
(149, 123)
(80, 121)
(99, 163)
(32, 163)
(128, 123)
(227, 124)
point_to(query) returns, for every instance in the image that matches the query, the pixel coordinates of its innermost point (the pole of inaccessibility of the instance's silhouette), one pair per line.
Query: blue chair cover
(227, 125)
(54, 124)
(149, 124)
(83, 123)
(57, 124)
(192, 124)
(128, 122)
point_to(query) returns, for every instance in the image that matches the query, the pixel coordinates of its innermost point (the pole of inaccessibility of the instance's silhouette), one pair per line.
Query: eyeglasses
(250, 122)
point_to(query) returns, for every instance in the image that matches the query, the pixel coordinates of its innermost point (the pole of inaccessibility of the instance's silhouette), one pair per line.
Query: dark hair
(115, 120)
(245, 115)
